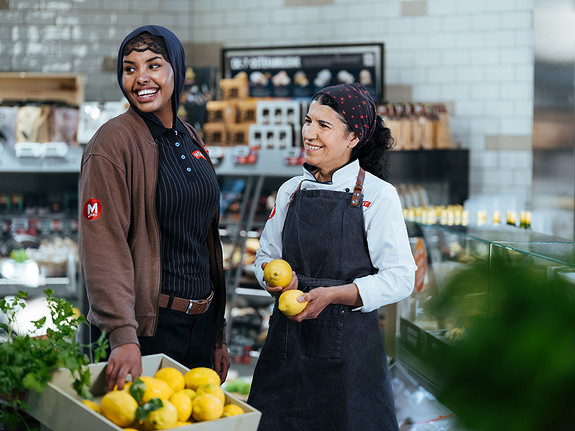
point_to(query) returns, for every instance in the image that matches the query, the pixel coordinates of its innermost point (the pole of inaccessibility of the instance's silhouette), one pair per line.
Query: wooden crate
(41, 87)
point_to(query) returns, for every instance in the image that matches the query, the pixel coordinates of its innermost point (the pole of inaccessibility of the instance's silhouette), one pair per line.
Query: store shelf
(270, 162)
(70, 163)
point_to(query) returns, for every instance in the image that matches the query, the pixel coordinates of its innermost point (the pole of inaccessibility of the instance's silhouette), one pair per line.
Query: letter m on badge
(92, 209)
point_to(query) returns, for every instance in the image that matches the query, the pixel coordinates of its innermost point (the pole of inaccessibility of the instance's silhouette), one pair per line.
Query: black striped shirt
(187, 197)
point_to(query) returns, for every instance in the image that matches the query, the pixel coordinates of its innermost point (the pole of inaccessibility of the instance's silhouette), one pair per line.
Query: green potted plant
(514, 369)
(28, 361)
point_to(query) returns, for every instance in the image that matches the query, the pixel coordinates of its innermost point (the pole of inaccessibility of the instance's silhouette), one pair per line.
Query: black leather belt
(188, 306)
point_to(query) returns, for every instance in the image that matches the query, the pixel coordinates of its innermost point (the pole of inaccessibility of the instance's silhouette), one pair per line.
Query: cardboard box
(215, 134)
(221, 111)
(238, 134)
(60, 409)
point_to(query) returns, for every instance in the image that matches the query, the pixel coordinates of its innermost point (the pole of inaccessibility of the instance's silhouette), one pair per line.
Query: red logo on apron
(92, 209)
(273, 213)
(197, 154)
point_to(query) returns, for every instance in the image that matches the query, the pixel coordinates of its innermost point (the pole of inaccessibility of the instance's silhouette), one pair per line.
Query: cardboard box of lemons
(288, 303)
(278, 273)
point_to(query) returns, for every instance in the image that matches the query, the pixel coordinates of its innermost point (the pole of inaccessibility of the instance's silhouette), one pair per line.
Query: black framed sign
(300, 71)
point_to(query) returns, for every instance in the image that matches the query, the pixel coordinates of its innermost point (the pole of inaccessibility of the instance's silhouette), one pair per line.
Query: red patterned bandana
(357, 107)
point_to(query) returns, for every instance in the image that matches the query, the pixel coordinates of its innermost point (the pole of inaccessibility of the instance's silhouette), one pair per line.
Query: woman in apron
(340, 226)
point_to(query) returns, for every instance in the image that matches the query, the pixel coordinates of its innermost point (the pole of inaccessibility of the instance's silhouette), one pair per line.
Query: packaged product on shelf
(8, 120)
(238, 134)
(427, 122)
(64, 124)
(33, 124)
(219, 111)
(215, 134)
(271, 136)
(279, 112)
(414, 114)
(234, 88)
(443, 132)
(246, 111)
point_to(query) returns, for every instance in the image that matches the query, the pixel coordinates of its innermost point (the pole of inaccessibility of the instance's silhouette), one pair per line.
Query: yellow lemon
(199, 376)
(155, 388)
(278, 273)
(119, 407)
(288, 303)
(163, 418)
(182, 424)
(190, 393)
(172, 376)
(93, 405)
(214, 389)
(232, 410)
(183, 404)
(126, 386)
(207, 407)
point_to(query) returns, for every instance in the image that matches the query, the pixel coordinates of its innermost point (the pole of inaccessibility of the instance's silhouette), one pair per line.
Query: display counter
(442, 252)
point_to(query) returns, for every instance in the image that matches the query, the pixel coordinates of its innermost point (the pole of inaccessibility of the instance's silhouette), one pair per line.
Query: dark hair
(372, 155)
(144, 42)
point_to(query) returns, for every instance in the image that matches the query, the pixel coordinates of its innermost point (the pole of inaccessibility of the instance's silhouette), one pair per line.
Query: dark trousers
(186, 338)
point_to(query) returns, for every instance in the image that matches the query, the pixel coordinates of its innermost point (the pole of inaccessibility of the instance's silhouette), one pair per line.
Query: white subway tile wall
(477, 56)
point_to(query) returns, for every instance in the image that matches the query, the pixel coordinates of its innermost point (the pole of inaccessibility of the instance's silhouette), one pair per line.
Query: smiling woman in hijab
(150, 249)
(340, 226)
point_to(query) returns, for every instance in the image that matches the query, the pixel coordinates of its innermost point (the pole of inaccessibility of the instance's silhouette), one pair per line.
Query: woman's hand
(277, 290)
(317, 299)
(321, 297)
(221, 361)
(125, 359)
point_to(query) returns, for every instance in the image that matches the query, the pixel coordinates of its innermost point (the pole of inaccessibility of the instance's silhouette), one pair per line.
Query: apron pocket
(275, 346)
(322, 338)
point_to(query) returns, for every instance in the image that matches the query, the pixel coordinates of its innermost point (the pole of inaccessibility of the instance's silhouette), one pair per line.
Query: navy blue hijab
(176, 58)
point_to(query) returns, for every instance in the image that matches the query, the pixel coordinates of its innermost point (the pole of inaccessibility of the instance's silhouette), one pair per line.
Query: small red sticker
(92, 209)
(366, 204)
(197, 154)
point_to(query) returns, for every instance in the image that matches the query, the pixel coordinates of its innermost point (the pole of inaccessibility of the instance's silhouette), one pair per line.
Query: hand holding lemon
(278, 273)
(288, 303)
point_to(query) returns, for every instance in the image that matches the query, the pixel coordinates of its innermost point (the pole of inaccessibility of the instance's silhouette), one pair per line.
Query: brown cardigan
(120, 248)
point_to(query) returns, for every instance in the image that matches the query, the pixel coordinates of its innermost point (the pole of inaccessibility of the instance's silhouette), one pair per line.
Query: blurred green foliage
(515, 367)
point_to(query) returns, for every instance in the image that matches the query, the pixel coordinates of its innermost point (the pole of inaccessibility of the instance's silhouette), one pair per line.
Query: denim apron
(328, 373)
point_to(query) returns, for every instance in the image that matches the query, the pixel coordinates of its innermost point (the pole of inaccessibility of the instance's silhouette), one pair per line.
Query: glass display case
(441, 252)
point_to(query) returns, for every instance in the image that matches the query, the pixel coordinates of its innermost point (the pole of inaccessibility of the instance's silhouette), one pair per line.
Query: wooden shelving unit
(25, 87)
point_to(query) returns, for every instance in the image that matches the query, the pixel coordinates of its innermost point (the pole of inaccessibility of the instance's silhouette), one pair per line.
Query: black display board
(300, 71)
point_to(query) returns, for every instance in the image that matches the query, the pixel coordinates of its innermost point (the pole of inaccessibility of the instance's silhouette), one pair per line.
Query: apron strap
(355, 197)
(356, 190)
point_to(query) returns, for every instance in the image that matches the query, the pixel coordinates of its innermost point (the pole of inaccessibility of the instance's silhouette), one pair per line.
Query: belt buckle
(190, 305)
(200, 302)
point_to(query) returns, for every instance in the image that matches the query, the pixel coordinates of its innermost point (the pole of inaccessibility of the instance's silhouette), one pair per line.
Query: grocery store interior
(479, 97)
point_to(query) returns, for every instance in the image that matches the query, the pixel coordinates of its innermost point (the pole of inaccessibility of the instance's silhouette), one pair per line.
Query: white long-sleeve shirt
(385, 229)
